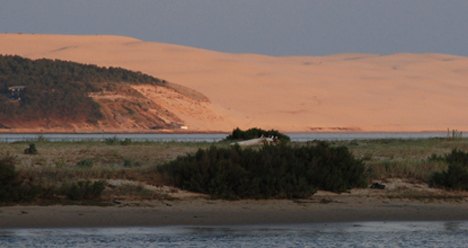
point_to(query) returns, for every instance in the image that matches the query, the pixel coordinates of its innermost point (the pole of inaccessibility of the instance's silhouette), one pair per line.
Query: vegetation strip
(41, 177)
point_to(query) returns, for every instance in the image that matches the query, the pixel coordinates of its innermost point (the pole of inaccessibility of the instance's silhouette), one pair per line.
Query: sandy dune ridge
(343, 92)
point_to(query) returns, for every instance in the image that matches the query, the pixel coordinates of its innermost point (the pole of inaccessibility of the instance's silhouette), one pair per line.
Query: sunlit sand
(344, 92)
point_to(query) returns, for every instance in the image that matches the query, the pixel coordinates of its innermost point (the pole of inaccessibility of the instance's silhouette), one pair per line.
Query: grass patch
(426, 196)
(85, 163)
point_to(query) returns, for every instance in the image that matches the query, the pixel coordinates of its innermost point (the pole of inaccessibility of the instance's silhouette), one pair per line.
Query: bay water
(359, 234)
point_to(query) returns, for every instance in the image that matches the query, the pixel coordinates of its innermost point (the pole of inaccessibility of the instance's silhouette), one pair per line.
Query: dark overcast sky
(270, 27)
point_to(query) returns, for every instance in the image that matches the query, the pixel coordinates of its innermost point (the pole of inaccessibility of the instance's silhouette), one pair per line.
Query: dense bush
(12, 187)
(8, 177)
(84, 190)
(111, 141)
(271, 172)
(126, 142)
(114, 141)
(238, 134)
(456, 177)
(31, 149)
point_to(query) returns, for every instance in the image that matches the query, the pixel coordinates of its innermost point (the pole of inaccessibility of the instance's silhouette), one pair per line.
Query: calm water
(211, 137)
(367, 234)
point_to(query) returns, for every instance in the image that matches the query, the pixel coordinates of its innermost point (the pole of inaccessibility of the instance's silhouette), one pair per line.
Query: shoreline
(226, 132)
(203, 212)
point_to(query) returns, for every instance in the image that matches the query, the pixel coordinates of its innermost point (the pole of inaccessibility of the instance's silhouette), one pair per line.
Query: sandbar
(206, 212)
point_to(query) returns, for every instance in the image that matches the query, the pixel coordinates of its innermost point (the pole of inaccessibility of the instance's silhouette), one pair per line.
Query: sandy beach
(358, 205)
(245, 212)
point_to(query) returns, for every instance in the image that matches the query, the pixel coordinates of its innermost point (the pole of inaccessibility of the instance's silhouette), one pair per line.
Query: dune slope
(344, 92)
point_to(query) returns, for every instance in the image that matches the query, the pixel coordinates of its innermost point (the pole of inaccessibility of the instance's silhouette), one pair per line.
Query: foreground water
(365, 234)
(214, 137)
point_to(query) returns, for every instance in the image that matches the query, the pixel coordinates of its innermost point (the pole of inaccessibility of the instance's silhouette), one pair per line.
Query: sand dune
(343, 92)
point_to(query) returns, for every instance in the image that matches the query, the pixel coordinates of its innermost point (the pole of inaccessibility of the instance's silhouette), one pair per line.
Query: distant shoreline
(10, 131)
(215, 136)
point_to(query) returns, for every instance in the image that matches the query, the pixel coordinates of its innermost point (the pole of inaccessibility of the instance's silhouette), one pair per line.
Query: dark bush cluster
(111, 141)
(456, 177)
(271, 172)
(14, 189)
(12, 186)
(9, 179)
(114, 141)
(31, 149)
(238, 134)
(84, 190)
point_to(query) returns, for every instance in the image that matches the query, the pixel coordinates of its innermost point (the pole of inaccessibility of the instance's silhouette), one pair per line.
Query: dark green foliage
(8, 178)
(127, 162)
(456, 177)
(126, 142)
(111, 141)
(238, 134)
(31, 149)
(130, 163)
(85, 163)
(115, 141)
(434, 158)
(457, 157)
(84, 190)
(271, 172)
(58, 89)
(12, 187)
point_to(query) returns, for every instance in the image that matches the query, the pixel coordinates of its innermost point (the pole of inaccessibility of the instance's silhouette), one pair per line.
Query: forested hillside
(54, 89)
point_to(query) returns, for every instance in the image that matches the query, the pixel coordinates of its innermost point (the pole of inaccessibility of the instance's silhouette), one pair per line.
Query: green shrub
(456, 176)
(454, 135)
(111, 141)
(31, 149)
(127, 162)
(9, 179)
(238, 134)
(84, 190)
(271, 172)
(126, 142)
(85, 163)
(11, 185)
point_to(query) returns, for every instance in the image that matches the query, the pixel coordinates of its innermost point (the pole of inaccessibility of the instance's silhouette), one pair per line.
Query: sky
(269, 27)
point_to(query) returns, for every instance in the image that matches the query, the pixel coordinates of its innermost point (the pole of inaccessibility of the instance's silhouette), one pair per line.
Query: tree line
(59, 89)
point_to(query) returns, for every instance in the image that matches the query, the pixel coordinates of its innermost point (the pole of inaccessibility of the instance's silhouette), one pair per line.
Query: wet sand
(218, 212)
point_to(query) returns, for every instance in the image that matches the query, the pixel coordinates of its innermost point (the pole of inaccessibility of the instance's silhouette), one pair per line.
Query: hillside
(343, 92)
(55, 95)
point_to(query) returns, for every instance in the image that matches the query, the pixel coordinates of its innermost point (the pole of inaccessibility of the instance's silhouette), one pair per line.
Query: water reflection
(452, 226)
(363, 234)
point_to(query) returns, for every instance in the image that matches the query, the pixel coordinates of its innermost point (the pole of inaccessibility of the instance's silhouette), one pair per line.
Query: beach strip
(217, 212)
